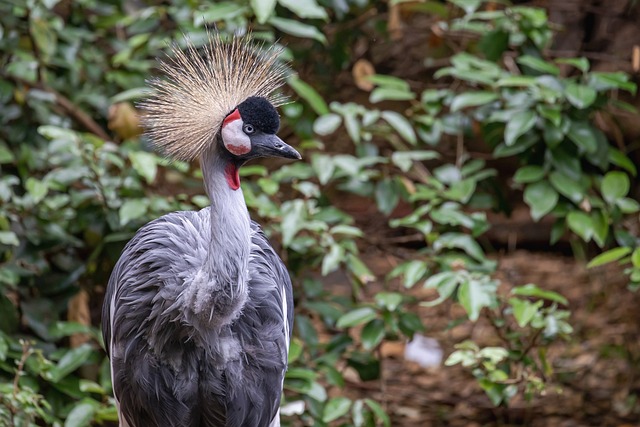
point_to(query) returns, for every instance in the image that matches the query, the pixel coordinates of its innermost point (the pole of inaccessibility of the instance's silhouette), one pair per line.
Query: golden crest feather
(185, 112)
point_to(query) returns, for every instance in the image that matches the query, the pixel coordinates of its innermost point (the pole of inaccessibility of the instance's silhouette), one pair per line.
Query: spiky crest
(186, 109)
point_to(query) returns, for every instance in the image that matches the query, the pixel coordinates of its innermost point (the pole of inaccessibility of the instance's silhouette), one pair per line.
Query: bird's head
(249, 131)
(218, 101)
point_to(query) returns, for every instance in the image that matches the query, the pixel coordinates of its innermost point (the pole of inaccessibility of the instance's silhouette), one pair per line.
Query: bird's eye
(248, 129)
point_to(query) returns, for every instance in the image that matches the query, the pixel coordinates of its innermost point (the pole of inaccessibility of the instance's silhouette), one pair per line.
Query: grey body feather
(172, 372)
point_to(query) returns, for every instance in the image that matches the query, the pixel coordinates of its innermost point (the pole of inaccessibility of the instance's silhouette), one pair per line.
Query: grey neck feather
(221, 284)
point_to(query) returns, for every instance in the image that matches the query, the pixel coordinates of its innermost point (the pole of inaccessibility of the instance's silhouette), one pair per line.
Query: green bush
(77, 181)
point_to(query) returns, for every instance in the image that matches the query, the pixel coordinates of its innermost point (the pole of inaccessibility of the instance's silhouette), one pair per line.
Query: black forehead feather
(260, 113)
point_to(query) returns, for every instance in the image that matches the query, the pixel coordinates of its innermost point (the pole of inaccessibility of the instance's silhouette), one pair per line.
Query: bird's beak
(266, 145)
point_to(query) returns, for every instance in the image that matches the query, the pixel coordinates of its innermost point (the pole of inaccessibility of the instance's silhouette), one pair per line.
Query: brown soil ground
(596, 380)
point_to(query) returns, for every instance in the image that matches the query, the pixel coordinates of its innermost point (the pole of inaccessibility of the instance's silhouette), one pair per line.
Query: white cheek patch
(234, 138)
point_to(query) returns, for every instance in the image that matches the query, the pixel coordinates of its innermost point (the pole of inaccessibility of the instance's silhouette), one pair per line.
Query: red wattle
(231, 173)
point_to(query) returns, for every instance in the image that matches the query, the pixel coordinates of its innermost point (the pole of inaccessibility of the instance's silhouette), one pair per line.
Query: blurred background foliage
(392, 162)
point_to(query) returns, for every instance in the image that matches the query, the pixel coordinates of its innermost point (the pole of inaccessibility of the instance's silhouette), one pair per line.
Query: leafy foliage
(78, 180)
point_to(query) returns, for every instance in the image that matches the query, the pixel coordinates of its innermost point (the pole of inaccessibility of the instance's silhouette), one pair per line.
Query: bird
(198, 310)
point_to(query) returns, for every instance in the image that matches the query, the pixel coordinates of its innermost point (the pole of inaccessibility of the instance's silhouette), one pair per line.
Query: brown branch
(26, 352)
(66, 104)
(530, 345)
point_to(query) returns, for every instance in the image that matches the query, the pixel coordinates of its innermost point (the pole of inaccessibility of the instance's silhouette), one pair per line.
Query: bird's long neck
(226, 268)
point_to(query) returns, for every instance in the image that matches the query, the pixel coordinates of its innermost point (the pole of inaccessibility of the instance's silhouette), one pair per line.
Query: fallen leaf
(360, 71)
(124, 120)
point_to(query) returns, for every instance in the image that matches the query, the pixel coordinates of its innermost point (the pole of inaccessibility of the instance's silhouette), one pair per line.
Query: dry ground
(597, 374)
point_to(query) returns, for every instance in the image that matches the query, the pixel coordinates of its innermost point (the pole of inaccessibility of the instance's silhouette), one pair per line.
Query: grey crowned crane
(198, 310)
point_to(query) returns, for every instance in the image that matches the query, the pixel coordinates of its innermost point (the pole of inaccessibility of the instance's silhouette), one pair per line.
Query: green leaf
(372, 334)
(263, 9)
(528, 174)
(81, 415)
(615, 185)
(617, 80)
(583, 135)
(298, 29)
(9, 238)
(145, 164)
(347, 230)
(60, 329)
(305, 8)
(472, 99)
(335, 408)
(618, 158)
(88, 386)
(71, 361)
(130, 95)
(44, 35)
(519, 124)
(469, 6)
(378, 411)
(332, 259)
(323, 166)
(462, 190)
(387, 196)
(628, 205)
(4, 348)
(516, 81)
(317, 392)
(531, 290)
(635, 258)
(609, 256)
(401, 125)
(538, 64)
(6, 155)
(409, 324)
(460, 241)
(553, 113)
(475, 294)
(390, 94)
(356, 317)
(295, 351)
(309, 94)
(389, 300)
(390, 82)
(581, 64)
(36, 188)
(600, 226)
(567, 186)
(493, 44)
(359, 269)
(294, 216)
(413, 272)
(327, 124)
(580, 96)
(541, 198)
(581, 224)
(131, 210)
(524, 311)
(404, 159)
(565, 162)
(301, 373)
(445, 282)
(494, 354)
(526, 142)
